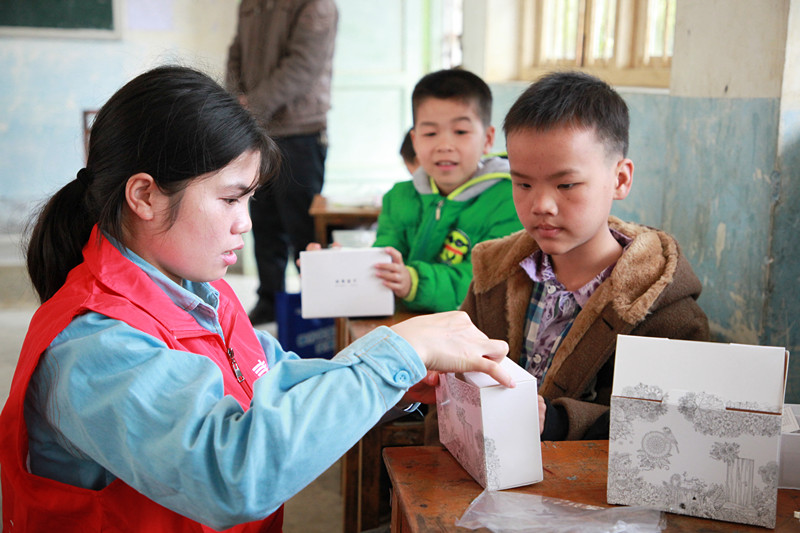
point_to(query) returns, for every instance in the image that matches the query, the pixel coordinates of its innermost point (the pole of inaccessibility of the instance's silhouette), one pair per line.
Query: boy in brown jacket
(560, 291)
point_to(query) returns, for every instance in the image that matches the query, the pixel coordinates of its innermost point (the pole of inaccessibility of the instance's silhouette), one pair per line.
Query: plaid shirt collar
(552, 309)
(539, 267)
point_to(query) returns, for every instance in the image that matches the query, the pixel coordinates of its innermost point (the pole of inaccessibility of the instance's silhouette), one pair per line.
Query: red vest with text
(109, 284)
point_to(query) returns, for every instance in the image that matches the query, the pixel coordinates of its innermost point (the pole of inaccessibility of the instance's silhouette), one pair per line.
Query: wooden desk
(358, 327)
(365, 485)
(431, 490)
(326, 215)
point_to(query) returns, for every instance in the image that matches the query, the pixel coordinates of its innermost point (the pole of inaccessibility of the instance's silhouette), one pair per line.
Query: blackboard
(58, 14)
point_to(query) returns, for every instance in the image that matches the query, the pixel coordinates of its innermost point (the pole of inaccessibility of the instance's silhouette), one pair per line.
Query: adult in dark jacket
(280, 63)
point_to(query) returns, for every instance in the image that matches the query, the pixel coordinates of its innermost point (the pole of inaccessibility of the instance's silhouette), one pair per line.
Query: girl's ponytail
(58, 236)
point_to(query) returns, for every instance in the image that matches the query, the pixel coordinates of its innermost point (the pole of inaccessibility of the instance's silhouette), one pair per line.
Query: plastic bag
(502, 512)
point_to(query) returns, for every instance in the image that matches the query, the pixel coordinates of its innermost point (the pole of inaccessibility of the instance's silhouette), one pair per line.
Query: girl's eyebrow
(239, 189)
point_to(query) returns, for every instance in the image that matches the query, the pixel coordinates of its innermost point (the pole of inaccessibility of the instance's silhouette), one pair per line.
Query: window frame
(629, 65)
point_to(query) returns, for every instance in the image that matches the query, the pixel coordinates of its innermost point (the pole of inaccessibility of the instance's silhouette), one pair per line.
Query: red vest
(109, 284)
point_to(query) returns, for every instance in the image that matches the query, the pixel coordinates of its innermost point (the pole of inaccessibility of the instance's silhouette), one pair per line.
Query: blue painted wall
(782, 306)
(45, 86)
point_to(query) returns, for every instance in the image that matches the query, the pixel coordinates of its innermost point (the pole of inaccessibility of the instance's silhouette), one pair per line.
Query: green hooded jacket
(436, 234)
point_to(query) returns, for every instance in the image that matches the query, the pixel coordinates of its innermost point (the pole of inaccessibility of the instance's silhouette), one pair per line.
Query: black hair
(572, 98)
(407, 149)
(173, 123)
(455, 84)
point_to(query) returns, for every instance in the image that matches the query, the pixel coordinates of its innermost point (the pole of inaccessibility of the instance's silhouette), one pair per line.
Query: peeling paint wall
(782, 307)
(718, 203)
(736, 92)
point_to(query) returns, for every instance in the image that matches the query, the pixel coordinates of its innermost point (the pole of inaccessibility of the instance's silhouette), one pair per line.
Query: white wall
(47, 83)
(714, 58)
(382, 49)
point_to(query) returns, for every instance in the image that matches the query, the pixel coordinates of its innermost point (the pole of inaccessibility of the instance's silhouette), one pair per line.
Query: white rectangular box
(790, 453)
(341, 282)
(491, 430)
(354, 238)
(695, 428)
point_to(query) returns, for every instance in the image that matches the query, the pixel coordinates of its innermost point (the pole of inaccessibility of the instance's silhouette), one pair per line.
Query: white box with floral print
(491, 430)
(695, 428)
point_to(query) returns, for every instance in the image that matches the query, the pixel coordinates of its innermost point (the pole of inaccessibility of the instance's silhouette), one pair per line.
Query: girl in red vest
(144, 400)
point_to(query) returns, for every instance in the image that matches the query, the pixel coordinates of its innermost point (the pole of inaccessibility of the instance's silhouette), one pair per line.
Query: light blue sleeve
(158, 419)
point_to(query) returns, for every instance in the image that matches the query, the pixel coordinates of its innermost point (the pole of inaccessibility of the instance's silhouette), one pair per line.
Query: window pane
(660, 28)
(452, 28)
(560, 25)
(604, 18)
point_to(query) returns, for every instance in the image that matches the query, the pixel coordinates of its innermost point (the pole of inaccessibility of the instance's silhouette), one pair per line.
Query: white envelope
(342, 283)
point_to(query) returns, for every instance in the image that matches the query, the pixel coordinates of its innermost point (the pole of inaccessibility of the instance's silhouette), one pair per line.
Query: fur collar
(640, 276)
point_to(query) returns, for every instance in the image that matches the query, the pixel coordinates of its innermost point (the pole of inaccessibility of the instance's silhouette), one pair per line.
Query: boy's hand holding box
(492, 431)
(341, 282)
(695, 428)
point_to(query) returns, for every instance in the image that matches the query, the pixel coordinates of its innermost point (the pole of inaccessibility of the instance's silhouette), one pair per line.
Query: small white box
(695, 428)
(341, 282)
(354, 238)
(790, 452)
(491, 430)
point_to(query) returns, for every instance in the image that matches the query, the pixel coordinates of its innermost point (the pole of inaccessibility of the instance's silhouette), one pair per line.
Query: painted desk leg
(342, 333)
(350, 490)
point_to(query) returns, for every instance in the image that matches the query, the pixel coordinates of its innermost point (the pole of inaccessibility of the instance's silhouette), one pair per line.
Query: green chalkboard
(58, 14)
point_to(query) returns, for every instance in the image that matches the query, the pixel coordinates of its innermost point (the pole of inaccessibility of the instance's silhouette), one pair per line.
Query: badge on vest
(456, 246)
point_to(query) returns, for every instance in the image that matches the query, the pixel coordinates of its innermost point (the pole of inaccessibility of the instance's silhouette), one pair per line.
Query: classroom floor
(316, 509)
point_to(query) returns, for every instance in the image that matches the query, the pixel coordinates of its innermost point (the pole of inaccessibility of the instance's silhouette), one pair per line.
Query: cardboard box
(790, 448)
(695, 428)
(341, 282)
(491, 430)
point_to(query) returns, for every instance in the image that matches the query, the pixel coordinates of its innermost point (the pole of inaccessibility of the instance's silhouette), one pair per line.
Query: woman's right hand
(450, 342)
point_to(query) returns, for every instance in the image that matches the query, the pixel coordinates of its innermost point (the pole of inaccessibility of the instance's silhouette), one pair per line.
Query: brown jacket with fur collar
(651, 291)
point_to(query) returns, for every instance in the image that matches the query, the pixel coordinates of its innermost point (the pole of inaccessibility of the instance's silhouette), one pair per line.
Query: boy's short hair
(454, 84)
(572, 98)
(407, 149)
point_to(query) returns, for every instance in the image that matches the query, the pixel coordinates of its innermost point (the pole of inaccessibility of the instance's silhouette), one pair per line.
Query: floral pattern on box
(655, 441)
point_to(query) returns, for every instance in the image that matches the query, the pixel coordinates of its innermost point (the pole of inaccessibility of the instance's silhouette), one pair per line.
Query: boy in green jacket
(457, 198)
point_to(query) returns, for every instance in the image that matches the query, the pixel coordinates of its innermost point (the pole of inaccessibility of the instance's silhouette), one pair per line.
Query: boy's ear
(487, 147)
(142, 195)
(624, 179)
